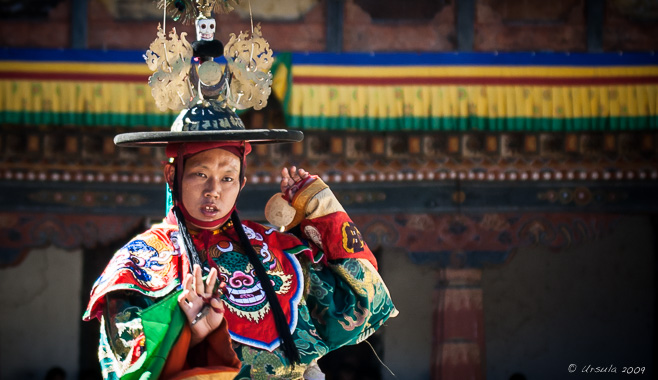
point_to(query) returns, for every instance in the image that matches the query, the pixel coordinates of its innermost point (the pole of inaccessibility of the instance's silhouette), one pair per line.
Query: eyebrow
(204, 166)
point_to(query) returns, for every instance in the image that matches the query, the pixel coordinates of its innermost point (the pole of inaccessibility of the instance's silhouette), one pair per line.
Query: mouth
(247, 297)
(209, 210)
(206, 36)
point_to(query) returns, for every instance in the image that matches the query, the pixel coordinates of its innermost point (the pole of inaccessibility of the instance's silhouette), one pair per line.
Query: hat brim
(254, 136)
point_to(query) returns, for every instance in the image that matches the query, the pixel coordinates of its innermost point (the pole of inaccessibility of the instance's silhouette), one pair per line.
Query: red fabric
(127, 268)
(204, 240)
(191, 148)
(272, 245)
(340, 237)
(294, 189)
(250, 327)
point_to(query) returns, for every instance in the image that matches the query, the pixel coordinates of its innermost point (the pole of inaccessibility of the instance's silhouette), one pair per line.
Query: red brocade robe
(328, 288)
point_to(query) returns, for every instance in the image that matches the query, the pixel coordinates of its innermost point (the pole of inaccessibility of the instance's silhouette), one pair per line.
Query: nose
(212, 189)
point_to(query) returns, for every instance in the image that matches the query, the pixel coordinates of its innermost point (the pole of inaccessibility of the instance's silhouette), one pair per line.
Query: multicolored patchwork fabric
(346, 303)
(329, 302)
(337, 236)
(122, 341)
(248, 313)
(151, 264)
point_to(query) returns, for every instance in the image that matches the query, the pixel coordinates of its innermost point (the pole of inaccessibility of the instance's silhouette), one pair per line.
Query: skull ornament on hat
(205, 29)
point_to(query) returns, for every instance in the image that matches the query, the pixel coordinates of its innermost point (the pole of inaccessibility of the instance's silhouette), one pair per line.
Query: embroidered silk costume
(329, 290)
(272, 303)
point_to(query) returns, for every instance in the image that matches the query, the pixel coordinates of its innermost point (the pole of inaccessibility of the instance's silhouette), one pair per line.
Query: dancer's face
(210, 184)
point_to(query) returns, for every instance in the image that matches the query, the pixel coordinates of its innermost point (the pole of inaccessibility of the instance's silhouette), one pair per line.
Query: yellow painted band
(75, 67)
(471, 71)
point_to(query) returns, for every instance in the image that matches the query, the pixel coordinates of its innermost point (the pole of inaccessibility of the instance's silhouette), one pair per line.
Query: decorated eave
(529, 92)
(402, 118)
(506, 92)
(405, 140)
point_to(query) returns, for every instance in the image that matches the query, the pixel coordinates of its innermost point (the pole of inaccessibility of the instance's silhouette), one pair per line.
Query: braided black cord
(190, 249)
(280, 321)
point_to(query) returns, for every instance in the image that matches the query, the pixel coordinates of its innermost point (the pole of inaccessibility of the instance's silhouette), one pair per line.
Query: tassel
(225, 6)
(184, 11)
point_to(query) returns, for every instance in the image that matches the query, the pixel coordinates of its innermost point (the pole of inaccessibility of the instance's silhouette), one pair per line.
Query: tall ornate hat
(187, 79)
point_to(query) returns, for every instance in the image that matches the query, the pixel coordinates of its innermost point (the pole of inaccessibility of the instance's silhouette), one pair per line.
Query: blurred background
(499, 156)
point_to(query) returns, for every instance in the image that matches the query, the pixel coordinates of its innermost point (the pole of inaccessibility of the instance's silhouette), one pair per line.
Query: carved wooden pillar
(458, 344)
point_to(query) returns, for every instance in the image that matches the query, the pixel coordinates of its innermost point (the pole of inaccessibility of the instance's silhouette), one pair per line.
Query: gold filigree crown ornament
(187, 79)
(170, 59)
(250, 60)
(185, 73)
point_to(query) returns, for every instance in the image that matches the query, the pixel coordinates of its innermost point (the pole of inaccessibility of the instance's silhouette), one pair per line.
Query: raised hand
(293, 180)
(200, 303)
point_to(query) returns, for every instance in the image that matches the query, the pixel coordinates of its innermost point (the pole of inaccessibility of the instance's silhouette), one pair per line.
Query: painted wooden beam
(79, 24)
(335, 8)
(465, 24)
(595, 14)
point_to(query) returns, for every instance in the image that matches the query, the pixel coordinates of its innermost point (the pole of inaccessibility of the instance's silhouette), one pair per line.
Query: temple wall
(40, 318)
(408, 337)
(559, 25)
(589, 304)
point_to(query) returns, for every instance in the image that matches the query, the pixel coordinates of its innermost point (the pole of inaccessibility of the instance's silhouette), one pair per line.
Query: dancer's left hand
(293, 180)
(201, 304)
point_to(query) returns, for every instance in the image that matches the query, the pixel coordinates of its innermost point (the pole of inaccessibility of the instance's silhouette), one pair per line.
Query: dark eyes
(225, 179)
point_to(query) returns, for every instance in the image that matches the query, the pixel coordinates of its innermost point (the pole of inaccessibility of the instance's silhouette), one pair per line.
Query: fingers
(210, 282)
(186, 299)
(285, 174)
(217, 305)
(293, 173)
(188, 282)
(221, 289)
(298, 174)
(194, 282)
(289, 177)
(199, 286)
(182, 298)
(188, 294)
(200, 301)
(286, 181)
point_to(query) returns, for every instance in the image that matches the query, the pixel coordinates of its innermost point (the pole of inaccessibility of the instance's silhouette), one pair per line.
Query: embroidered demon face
(245, 295)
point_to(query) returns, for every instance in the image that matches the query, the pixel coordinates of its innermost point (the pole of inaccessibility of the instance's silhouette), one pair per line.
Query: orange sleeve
(213, 355)
(177, 359)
